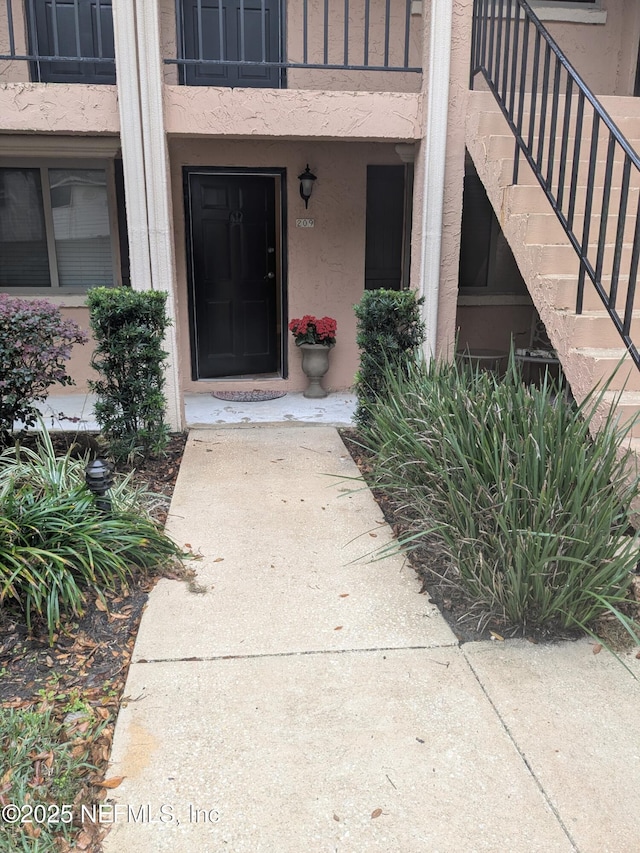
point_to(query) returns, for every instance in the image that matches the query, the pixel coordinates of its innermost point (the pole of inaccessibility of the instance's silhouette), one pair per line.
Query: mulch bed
(93, 652)
(90, 657)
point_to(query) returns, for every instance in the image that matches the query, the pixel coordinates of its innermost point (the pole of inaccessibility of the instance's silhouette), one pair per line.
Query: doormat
(248, 396)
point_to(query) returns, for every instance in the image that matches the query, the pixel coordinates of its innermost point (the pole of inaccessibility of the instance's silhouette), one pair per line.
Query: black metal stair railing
(583, 162)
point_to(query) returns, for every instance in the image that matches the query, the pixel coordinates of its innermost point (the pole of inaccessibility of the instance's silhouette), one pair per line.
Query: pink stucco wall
(292, 114)
(58, 108)
(325, 263)
(78, 366)
(605, 55)
(492, 326)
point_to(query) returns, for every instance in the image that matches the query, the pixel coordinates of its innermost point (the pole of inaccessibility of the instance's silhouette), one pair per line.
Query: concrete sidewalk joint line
(303, 653)
(347, 716)
(524, 758)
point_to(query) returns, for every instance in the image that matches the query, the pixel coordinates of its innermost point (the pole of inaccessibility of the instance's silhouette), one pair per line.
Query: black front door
(231, 30)
(235, 273)
(67, 28)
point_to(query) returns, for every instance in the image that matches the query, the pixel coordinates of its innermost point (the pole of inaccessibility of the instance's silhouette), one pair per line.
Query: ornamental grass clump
(56, 546)
(530, 507)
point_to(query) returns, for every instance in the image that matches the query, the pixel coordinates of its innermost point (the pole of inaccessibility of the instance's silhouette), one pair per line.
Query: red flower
(311, 330)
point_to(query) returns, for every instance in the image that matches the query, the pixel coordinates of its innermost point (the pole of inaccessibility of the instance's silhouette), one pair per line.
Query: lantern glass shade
(306, 184)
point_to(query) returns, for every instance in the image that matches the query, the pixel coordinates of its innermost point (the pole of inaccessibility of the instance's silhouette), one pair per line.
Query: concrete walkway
(296, 700)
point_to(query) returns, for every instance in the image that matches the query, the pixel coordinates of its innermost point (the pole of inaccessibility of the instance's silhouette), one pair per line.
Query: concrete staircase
(588, 345)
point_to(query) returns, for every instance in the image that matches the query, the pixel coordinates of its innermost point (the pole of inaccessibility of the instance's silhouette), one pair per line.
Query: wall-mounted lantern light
(306, 184)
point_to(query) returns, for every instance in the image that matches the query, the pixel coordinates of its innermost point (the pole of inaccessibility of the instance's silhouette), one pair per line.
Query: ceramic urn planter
(315, 363)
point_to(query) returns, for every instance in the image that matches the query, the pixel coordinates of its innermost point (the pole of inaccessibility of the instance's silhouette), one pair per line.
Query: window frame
(44, 165)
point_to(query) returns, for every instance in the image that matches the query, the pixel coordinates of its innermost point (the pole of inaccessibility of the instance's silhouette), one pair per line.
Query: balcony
(370, 45)
(57, 41)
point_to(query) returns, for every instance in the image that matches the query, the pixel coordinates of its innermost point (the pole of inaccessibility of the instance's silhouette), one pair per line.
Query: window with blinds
(55, 228)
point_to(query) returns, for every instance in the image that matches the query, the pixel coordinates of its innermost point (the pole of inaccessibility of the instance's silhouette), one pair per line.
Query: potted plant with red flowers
(315, 337)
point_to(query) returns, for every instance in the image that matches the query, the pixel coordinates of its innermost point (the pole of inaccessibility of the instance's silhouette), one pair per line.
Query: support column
(146, 171)
(124, 29)
(158, 183)
(430, 170)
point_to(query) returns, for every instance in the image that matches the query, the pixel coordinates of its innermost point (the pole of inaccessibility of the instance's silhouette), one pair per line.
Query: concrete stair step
(599, 365)
(562, 293)
(490, 121)
(627, 405)
(595, 327)
(530, 197)
(562, 258)
(546, 227)
(503, 170)
(499, 145)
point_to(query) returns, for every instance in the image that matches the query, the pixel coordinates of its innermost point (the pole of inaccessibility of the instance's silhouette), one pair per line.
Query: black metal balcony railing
(254, 42)
(218, 42)
(581, 159)
(357, 35)
(66, 40)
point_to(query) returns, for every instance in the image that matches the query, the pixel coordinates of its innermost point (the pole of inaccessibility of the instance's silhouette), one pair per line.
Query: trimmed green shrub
(531, 509)
(56, 546)
(129, 328)
(389, 333)
(35, 343)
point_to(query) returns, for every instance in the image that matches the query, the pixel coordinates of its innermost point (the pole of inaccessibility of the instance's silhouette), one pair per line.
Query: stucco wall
(325, 263)
(605, 55)
(264, 113)
(78, 365)
(58, 108)
(491, 326)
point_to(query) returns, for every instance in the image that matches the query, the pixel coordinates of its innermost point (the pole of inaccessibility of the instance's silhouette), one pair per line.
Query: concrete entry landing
(302, 698)
(69, 412)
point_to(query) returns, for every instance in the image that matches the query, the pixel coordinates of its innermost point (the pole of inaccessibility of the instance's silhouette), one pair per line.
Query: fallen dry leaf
(32, 831)
(110, 783)
(495, 636)
(335, 817)
(344, 594)
(339, 628)
(83, 840)
(597, 648)
(218, 559)
(101, 605)
(376, 813)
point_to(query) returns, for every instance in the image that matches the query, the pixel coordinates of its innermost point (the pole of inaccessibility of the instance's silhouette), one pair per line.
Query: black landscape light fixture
(98, 478)
(306, 184)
